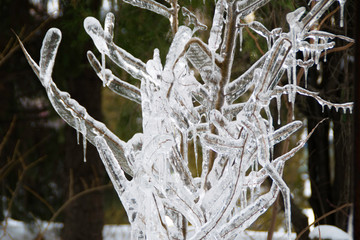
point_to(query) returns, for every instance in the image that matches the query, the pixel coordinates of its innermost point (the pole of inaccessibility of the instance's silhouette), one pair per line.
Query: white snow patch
(328, 232)
(18, 230)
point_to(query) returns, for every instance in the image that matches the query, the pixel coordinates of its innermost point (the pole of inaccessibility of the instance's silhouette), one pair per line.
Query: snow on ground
(17, 230)
(328, 232)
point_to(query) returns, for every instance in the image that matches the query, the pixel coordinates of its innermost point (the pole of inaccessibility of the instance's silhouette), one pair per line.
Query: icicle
(293, 90)
(288, 71)
(305, 65)
(244, 198)
(108, 77)
(306, 53)
(83, 131)
(306, 76)
(240, 38)
(103, 66)
(196, 153)
(278, 104)
(325, 41)
(252, 193)
(77, 129)
(342, 4)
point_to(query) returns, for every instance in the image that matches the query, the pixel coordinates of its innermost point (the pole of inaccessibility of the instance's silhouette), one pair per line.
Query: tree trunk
(331, 174)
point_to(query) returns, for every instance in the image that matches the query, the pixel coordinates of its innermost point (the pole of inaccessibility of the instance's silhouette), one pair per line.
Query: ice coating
(151, 6)
(47, 55)
(218, 22)
(192, 19)
(109, 27)
(260, 29)
(192, 105)
(342, 4)
(94, 29)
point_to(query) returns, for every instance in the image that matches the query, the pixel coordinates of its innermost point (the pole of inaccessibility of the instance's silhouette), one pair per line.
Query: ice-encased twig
(241, 84)
(178, 109)
(135, 67)
(314, 14)
(260, 29)
(112, 166)
(285, 90)
(48, 52)
(245, 7)
(115, 84)
(273, 68)
(217, 26)
(67, 108)
(151, 6)
(243, 219)
(192, 19)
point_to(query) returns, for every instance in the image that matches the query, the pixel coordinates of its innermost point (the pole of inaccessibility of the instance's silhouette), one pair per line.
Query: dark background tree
(330, 161)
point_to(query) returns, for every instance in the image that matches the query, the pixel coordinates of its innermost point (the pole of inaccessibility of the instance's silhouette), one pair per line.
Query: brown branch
(174, 13)
(75, 197)
(255, 40)
(337, 49)
(273, 219)
(40, 198)
(327, 16)
(18, 184)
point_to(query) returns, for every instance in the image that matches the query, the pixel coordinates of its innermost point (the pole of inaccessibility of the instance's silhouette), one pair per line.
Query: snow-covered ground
(328, 232)
(17, 230)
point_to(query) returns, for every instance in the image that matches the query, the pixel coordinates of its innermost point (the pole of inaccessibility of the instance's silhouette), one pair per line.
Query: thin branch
(322, 217)
(40, 198)
(328, 16)
(73, 198)
(8, 133)
(255, 40)
(27, 38)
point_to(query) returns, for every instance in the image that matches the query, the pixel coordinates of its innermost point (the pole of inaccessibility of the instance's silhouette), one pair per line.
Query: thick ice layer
(191, 111)
(218, 22)
(193, 20)
(47, 55)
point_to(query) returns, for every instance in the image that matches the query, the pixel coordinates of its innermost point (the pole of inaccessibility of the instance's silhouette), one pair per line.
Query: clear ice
(231, 140)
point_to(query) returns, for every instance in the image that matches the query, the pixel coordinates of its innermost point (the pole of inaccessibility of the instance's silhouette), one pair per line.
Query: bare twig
(322, 217)
(73, 198)
(27, 38)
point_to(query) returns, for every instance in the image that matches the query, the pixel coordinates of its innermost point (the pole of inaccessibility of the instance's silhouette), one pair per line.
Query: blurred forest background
(42, 171)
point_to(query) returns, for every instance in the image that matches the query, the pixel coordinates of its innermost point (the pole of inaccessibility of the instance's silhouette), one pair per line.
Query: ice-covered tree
(194, 99)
